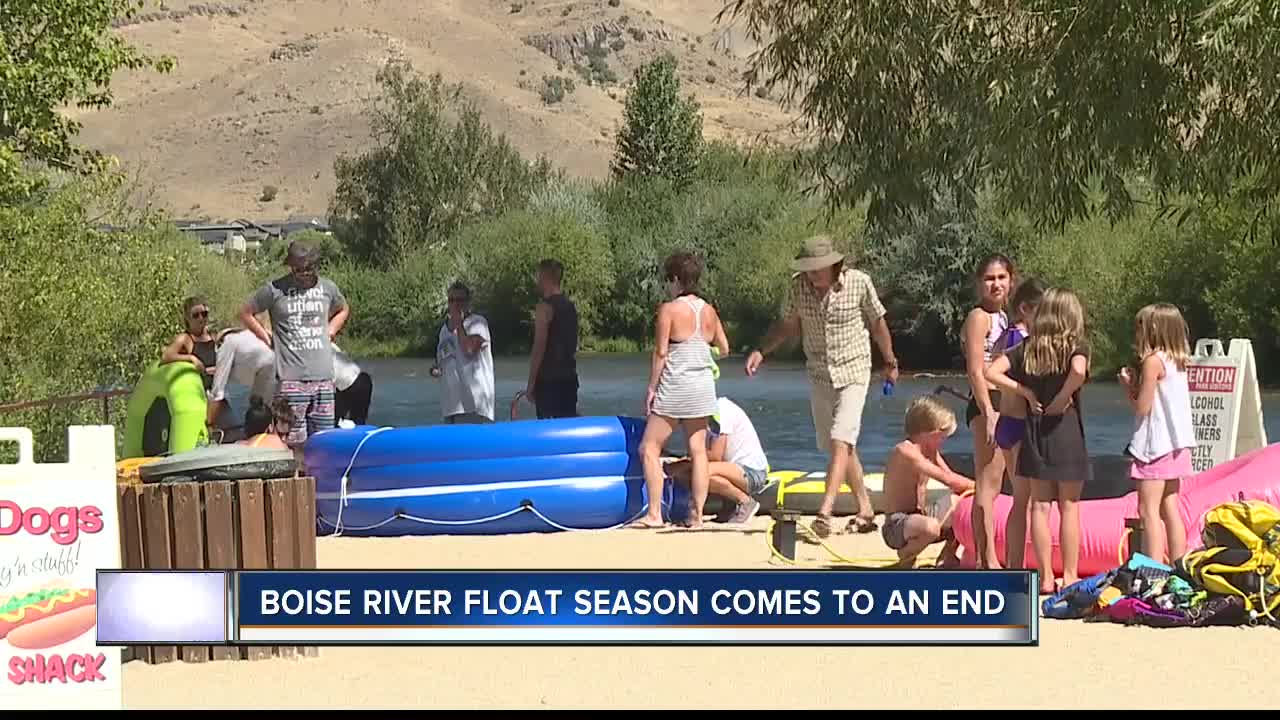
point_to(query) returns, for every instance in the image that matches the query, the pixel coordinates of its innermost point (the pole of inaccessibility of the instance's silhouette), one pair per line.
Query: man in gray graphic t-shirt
(306, 312)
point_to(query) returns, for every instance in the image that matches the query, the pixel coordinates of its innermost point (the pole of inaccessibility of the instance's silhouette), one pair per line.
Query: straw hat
(817, 252)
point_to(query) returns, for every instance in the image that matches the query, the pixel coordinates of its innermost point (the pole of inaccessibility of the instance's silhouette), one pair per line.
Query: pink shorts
(1174, 466)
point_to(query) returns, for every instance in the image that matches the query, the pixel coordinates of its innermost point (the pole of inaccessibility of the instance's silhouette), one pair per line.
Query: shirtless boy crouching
(911, 523)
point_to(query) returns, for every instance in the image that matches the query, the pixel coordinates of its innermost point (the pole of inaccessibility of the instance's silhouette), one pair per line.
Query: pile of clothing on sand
(1232, 579)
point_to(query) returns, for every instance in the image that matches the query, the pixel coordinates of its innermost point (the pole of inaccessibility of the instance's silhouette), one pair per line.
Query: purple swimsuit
(1010, 431)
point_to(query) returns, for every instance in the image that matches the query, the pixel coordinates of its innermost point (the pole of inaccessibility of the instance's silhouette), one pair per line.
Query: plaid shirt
(836, 328)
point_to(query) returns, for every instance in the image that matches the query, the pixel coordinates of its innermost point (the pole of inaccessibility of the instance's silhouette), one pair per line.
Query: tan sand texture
(1077, 665)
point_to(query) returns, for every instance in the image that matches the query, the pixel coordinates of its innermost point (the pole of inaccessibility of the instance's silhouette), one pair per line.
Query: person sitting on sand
(267, 427)
(911, 523)
(735, 460)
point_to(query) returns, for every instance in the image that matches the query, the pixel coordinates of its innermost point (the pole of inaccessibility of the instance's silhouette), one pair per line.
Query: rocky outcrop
(571, 48)
(204, 9)
(294, 50)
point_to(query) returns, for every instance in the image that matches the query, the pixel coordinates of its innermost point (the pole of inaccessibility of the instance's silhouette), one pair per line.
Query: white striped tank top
(687, 386)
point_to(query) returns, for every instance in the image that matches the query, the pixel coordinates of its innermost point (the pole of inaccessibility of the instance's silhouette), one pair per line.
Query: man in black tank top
(553, 366)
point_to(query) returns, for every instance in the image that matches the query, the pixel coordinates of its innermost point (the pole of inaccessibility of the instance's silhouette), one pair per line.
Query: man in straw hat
(306, 312)
(835, 310)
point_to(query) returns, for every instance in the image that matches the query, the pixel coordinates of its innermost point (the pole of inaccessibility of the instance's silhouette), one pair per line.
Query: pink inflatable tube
(1103, 538)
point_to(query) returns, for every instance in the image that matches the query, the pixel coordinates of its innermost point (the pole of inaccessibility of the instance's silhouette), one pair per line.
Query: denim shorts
(756, 479)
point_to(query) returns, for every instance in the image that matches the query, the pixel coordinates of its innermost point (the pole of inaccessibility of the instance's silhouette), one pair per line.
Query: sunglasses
(200, 315)
(457, 300)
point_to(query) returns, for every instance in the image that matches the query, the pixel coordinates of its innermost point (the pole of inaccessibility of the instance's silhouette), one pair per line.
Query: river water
(776, 399)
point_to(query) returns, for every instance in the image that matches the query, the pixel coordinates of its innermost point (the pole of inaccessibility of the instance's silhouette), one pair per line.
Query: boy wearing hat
(306, 312)
(834, 308)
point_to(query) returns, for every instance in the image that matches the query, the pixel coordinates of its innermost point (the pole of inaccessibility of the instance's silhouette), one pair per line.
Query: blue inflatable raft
(510, 477)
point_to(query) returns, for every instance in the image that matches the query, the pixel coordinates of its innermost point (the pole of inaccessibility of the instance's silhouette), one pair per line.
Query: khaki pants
(837, 413)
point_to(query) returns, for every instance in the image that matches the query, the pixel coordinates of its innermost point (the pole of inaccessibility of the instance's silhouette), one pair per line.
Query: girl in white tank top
(1163, 435)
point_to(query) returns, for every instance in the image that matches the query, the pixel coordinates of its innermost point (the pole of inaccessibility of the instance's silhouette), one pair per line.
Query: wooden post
(253, 540)
(131, 553)
(157, 547)
(281, 516)
(305, 534)
(221, 546)
(784, 533)
(188, 544)
(1136, 541)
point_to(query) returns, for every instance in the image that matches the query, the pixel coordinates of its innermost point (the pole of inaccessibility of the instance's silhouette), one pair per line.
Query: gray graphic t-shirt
(300, 326)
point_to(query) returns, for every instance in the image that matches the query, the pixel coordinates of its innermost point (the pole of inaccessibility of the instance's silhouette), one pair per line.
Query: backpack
(1240, 556)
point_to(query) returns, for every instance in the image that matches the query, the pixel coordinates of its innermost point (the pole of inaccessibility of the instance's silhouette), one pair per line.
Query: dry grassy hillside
(268, 92)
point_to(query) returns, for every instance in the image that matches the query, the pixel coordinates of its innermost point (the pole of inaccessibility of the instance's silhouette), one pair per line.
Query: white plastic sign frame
(58, 527)
(1226, 402)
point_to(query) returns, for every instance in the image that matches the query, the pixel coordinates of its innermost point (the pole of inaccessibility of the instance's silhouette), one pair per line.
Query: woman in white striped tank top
(1163, 435)
(682, 385)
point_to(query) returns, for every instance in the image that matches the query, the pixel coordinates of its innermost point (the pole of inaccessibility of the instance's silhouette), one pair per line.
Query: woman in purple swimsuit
(983, 327)
(1011, 427)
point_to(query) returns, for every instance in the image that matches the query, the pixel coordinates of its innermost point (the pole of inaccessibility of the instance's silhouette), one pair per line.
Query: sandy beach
(1077, 665)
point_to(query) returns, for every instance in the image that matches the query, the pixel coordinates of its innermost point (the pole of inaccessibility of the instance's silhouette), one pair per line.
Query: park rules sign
(58, 527)
(1226, 405)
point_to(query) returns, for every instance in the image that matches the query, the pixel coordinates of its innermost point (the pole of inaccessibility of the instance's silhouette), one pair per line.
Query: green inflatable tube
(166, 411)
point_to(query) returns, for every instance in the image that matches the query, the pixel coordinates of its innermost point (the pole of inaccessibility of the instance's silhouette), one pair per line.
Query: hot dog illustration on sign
(47, 617)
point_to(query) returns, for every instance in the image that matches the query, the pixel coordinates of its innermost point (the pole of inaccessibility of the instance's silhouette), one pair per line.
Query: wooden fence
(233, 524)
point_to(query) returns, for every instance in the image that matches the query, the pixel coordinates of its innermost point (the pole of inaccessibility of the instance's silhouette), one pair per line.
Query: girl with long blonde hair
(1047, 370)
(1163, 435)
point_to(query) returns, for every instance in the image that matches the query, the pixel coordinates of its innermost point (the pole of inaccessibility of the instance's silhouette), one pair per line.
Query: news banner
(589, 607)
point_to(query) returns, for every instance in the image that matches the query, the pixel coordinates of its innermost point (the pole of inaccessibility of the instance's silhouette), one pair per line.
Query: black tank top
(560, 360)
(207, 351)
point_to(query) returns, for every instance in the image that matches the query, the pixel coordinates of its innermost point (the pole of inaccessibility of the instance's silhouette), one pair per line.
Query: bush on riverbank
(86, 309)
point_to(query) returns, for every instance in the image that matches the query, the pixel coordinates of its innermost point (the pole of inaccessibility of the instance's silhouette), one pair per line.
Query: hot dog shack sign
(57, 528)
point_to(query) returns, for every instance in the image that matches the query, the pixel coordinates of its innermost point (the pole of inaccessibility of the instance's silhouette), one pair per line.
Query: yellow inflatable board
(802, 492)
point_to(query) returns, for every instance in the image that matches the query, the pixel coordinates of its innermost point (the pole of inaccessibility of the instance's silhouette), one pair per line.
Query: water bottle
(887, 390)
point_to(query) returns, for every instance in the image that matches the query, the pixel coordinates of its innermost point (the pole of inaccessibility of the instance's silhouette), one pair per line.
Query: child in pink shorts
(1163, 437)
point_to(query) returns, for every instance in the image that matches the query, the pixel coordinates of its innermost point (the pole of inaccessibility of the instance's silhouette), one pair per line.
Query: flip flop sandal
(860, 525)
(821, 526)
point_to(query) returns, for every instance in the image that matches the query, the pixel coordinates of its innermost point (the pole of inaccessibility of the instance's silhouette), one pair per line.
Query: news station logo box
(58, 527)
(1226, 405)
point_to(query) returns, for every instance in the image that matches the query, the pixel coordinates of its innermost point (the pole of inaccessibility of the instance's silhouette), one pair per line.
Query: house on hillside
(285, 228)
(236, 236)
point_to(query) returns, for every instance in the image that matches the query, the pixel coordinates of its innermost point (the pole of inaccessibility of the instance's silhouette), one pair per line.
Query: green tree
(435, 164)
(1049, 100)
(924, 267)
(55, 54)
(662, 131)
(498, 259)
(87, 308)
